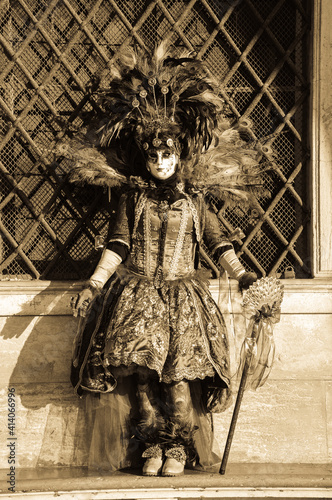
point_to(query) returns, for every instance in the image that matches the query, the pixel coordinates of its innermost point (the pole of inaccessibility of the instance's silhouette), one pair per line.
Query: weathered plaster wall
(287, 420)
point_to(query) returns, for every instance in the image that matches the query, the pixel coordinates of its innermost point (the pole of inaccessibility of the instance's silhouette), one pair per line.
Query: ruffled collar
(168, 191)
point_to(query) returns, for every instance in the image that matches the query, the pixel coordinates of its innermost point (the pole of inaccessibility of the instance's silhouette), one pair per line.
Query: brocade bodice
(162, 236)
(164, 239)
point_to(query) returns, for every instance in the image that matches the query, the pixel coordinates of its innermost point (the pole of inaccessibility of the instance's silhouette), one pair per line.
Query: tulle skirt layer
(113, 419)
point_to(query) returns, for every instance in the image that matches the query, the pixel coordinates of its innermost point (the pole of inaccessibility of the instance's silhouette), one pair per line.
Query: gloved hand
(247, 279)
(106, 267)
(81, 302)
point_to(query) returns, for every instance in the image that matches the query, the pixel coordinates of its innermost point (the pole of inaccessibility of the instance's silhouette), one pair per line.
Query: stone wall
(287, 420)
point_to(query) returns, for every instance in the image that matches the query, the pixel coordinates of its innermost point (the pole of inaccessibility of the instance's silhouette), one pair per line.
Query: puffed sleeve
(119, 238)
(214, 236)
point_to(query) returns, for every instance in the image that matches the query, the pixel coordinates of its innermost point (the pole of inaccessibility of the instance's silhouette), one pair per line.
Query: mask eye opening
(152, 156)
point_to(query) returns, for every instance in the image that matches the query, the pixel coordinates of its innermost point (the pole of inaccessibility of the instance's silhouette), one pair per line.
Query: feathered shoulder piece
(88, 164)
(233, 168)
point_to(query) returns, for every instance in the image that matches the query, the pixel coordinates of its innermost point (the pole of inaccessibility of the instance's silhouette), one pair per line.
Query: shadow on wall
(37, 343)
(50, 417)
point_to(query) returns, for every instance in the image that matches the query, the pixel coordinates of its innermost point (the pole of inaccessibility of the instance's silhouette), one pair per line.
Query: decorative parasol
(261, 306)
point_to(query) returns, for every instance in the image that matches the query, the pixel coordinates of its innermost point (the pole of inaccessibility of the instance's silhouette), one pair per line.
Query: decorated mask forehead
(158, 143)
(166, 144)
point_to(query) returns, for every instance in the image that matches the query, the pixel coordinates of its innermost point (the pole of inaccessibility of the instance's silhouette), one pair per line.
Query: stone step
(174, 494)
(241, 481)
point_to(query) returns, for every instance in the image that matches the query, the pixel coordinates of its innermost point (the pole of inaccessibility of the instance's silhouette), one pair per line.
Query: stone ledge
(52, 298)
(240, 481)
(291, 285)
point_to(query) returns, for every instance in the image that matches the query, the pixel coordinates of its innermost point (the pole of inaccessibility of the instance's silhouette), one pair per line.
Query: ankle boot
(152, 466)
(175, 462)
(154, 461)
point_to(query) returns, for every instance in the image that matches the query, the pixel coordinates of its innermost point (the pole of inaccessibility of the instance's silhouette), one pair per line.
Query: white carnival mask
(162, 164)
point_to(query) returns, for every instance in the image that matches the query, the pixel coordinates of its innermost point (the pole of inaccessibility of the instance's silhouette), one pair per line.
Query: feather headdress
(164, 100)
(160, 99)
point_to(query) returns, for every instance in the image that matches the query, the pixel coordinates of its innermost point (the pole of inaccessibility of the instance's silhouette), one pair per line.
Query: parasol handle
(238, 401)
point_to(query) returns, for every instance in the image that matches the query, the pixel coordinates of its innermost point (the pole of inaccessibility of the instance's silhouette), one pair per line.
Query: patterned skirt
(177, 331)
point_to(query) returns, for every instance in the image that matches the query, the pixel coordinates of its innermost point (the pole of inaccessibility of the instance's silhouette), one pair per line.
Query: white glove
(231, 264)
(107, 265)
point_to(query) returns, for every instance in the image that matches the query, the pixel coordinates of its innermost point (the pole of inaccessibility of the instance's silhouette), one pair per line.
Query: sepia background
(272, 58)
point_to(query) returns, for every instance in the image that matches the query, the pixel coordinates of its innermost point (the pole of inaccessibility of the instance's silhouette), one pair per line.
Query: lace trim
(138, 212)
(179, 242)
(195, 216)
(140, 360)
(147, 239)
(188, 374)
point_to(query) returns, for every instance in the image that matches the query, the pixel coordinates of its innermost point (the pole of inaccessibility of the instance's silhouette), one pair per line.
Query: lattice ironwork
(50, 51)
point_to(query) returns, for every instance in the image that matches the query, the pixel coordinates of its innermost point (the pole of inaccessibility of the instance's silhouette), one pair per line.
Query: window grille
(49, 51)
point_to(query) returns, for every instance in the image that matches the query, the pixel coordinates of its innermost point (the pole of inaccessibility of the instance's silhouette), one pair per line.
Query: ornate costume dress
(159, 313)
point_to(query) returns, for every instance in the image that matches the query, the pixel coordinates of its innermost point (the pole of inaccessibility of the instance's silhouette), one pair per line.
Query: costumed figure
(152, 353)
